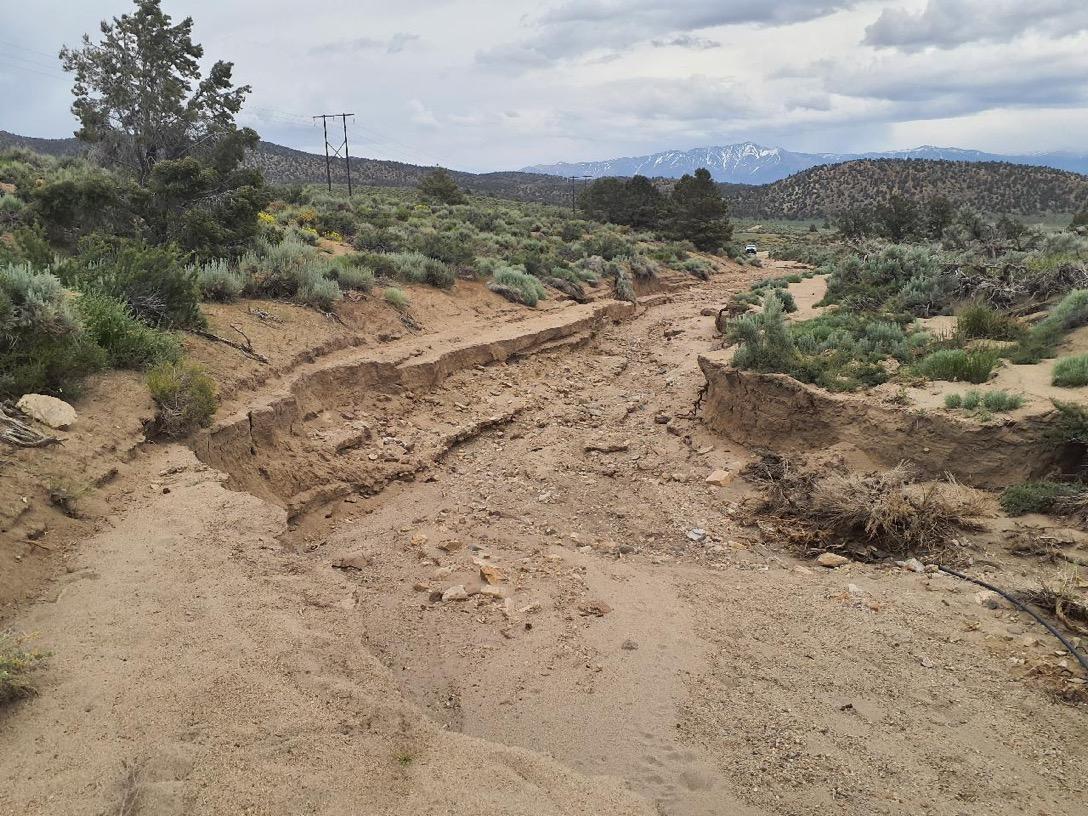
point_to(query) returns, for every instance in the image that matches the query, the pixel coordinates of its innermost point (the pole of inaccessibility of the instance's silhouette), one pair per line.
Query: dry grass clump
(871, 515)
(1063, 599)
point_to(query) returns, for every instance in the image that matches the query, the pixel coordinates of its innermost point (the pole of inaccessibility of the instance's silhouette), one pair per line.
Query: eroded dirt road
(616, 635)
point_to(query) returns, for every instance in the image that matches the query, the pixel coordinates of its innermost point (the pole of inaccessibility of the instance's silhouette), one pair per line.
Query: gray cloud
(579, 27)
(390, 45)
(952, 23)
(686, 41)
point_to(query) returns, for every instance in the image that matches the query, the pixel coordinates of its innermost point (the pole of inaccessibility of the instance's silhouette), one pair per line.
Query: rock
(455, 593)
(697, 534)
(708, 312)
(855, 591)
(450, 546)
(47, 410)
(831, 560)
(352, 561)
(720, 478)
(662, 419)
(597, 609)
(418, 540)
(802, 570)
(607, 445)
(912, 564)
(991, 600)
(419, 586)
(491, 574)
(629, 645)
(492, 592)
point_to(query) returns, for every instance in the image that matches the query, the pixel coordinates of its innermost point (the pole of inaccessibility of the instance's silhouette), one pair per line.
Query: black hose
(1023, 606)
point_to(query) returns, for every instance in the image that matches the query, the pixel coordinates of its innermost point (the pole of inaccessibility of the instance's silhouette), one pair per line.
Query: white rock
(455, 593)
(831, 560)
(720, 478)
(913, 564)
(47, 410)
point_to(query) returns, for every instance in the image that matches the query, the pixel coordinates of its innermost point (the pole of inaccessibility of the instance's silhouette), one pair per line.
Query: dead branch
(246, 349)
(16, 432)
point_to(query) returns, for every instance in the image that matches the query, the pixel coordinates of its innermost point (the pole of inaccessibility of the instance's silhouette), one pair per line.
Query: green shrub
(184, 397)
(359, 278)
(1071, 372)
(415, 267)
(1001, 401)
(991, 401)
(1035, 497)
(321, 293)
(17, 668)
(643, 267)
(958, 365)
(396, 298)
(517, 285)
(158, 288)
(128, 342)
(1071, 426)
(43, 347)
(1040, 341)
(981, 321)
(625, 288)
(218, 281)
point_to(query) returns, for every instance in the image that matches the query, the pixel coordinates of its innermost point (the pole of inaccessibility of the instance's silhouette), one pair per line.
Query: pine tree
(699, 213)
(139, 95)
(438, 185)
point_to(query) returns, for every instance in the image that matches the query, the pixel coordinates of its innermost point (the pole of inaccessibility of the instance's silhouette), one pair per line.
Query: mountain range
(835, 183)
(750, 163)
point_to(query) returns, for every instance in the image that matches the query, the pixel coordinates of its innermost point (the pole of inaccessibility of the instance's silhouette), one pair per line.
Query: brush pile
(869, 516)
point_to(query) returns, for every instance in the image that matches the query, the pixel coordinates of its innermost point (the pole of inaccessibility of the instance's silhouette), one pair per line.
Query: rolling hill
(814, 192)
(750, 163)
(285, 165)
(994, 187)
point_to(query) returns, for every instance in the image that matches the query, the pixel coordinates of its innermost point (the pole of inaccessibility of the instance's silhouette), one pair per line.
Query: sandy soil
(627, 640)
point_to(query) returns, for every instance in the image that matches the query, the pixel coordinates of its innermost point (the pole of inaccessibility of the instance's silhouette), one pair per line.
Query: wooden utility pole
(324, 117)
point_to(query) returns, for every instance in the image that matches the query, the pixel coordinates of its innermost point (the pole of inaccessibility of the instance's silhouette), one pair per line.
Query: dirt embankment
(776, 412)
(562, 580)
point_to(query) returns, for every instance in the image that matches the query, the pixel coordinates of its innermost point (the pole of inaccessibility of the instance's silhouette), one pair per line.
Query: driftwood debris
(15, 431)
(246, 348)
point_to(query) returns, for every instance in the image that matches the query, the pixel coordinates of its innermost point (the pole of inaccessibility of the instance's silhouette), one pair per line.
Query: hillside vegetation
(989, 186)
(284, 165)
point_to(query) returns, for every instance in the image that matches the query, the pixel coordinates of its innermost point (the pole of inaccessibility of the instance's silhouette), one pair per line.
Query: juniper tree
(147, 110)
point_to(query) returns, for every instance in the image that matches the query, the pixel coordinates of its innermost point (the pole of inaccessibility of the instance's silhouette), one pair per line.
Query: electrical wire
(1024, 607)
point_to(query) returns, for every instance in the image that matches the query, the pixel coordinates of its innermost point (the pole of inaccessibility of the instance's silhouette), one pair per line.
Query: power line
(325, 117)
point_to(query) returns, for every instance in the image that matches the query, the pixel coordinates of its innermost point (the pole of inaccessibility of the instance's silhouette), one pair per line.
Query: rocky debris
(597, 609)
(697, 535)
(356, 561)
(912, 564)
(720, 478)
(455, 593)
(831, 560)
(607, 446)
(492, 574)
(47, 410)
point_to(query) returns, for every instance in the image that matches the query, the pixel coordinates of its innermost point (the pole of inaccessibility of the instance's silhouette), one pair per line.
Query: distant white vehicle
(751, 249)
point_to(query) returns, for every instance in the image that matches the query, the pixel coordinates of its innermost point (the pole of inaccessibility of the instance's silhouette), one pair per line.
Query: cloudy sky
(498, 84)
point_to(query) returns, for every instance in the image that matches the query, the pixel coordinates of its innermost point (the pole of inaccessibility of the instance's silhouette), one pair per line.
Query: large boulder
(47, 410)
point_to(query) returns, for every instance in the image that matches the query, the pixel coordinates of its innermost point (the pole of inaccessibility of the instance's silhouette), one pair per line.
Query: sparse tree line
(693, 210)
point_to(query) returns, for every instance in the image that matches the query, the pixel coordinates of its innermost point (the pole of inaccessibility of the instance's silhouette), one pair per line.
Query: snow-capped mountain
(749, 163)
